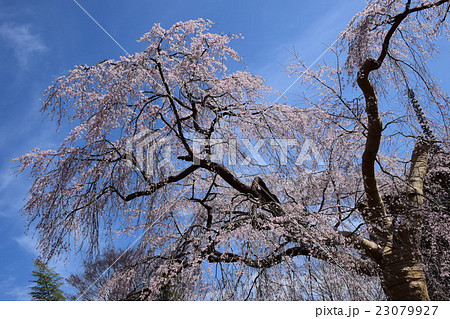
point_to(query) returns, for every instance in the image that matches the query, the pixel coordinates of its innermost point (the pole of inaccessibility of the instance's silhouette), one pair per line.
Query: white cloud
(27, 243)
(22, 41)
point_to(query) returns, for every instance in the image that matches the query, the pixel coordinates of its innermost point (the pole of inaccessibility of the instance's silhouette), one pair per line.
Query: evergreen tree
(47, 283)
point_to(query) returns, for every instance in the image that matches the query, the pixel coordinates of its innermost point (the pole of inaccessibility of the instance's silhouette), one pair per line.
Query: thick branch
(375, 214)
(362, 267)
(418, 170)
(223, 172)
(174, 108)
(155, 186)
(414, 193)
(266, 262)
(371, 248)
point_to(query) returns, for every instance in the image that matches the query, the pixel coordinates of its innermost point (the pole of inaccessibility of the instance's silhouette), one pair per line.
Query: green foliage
(47, 283)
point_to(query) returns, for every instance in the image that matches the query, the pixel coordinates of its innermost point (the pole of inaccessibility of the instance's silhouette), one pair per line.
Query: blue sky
(41, 40)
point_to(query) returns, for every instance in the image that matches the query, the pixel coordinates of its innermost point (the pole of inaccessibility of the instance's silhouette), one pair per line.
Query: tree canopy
(233, 197)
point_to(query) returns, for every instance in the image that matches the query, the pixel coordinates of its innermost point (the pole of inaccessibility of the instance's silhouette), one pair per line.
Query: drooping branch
(397, 20)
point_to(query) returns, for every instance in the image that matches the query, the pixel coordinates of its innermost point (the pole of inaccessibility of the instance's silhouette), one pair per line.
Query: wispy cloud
(19, 293)
(9, 288)
(27, 243)
(5, 179)
(24, 43)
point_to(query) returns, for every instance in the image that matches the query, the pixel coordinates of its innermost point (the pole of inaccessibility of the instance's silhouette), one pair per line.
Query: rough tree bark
(403, 273)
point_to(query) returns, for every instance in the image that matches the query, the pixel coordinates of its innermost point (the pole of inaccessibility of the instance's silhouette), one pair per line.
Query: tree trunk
(403, 276)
